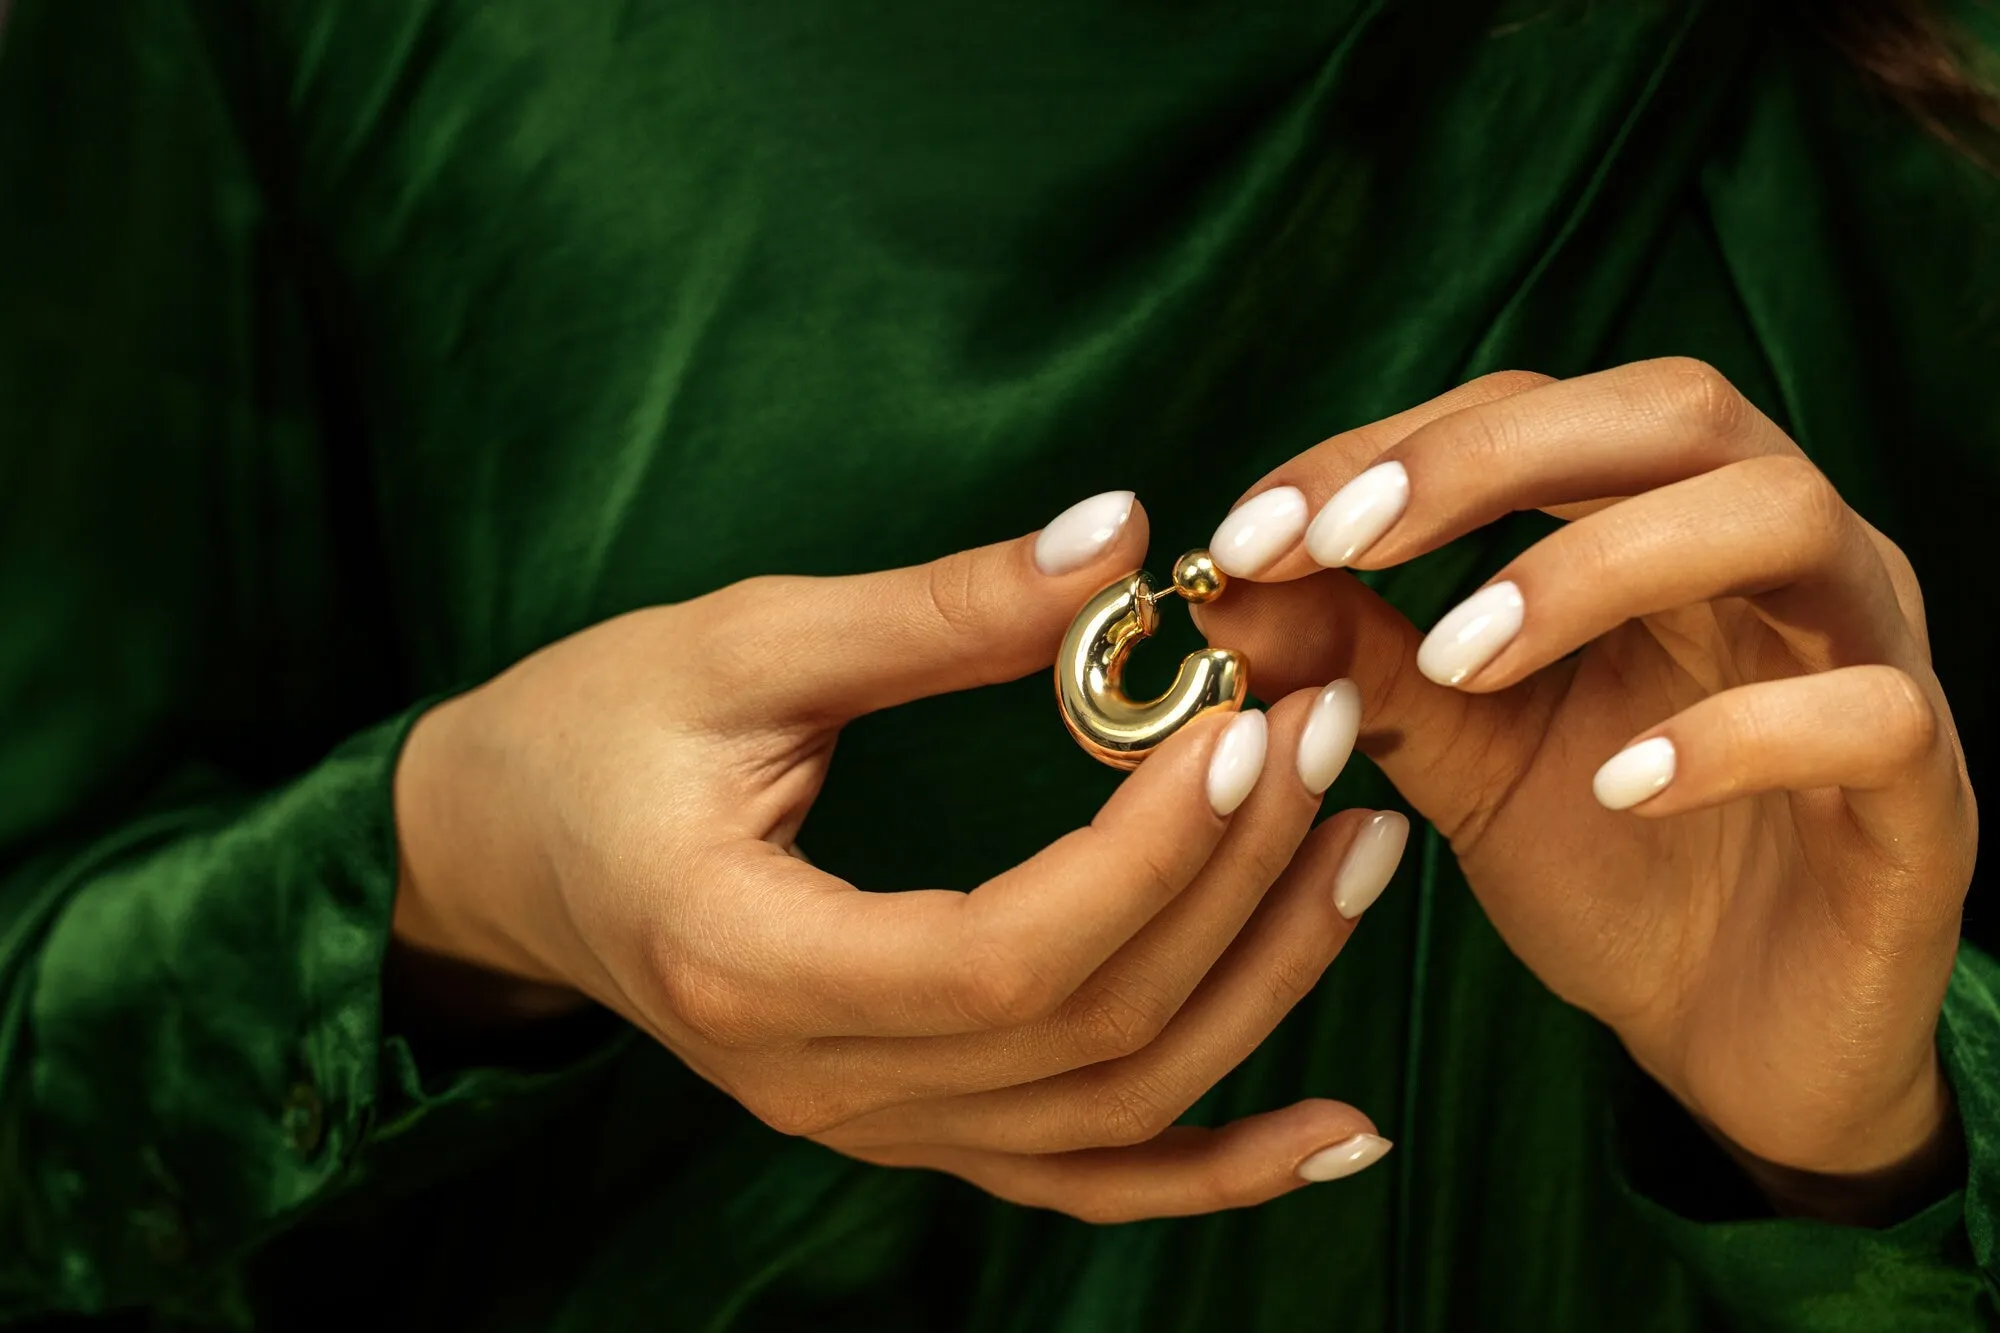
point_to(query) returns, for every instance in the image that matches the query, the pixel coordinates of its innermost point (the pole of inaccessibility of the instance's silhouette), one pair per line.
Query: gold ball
(1197, 578)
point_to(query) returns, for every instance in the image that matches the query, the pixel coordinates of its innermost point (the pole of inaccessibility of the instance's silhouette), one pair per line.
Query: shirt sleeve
(200, 698)
(191, 1029)
(1937, 1270)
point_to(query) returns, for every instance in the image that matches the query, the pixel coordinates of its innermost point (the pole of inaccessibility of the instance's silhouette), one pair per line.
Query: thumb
(995, 613)
(1450, 753)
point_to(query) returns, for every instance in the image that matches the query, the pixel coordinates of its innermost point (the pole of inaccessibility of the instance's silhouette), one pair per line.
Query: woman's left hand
(1763, 896)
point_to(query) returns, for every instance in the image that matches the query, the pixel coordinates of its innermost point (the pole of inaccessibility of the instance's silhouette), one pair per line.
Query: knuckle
(704, 1005)
(1903, 580)
(1898, 710)
(1506, 383)
(1699, 396)
(1293, 973)
(1744, 731)
(752, 600)
(1268, 861)
(1802, 498)
(1130, 1111)
(1217, 1188)
(699, 1003)
(1897, 561)
(1160, 873)
(1583, 552)
(953, 593)
(748, 624)
(1000, 988)
(1481, 439)
(1118, 1018)
(1155, 868)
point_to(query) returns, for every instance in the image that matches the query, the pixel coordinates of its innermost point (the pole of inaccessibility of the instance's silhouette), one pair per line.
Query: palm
(1672, 930)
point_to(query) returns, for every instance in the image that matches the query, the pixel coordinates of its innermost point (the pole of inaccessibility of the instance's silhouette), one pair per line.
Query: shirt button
(305, 1119)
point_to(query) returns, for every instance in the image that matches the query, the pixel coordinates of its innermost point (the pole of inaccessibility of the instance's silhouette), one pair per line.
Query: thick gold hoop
(1090, 671)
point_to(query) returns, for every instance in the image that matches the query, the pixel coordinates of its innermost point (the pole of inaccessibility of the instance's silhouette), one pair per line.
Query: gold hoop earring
(1090, 671)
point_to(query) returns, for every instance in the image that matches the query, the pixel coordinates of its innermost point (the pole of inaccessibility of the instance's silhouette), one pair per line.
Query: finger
(1447, 751)
(792, 953)
(1612, 434)
(1277, 960)
(1183, 1172)
(1873, 732)
(1903, 576)
(1260, 536)
(1769, 529)
(836, 648)
(1129, 1000)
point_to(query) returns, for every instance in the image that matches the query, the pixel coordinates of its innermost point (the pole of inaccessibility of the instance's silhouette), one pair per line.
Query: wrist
(460, 881)
(1886, 1168)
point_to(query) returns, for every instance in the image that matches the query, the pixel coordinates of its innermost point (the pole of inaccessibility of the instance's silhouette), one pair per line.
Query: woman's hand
(1763, 898)
(616, 816)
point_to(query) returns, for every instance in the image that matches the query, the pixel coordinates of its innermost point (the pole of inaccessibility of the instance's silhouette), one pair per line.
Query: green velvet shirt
(350, 351)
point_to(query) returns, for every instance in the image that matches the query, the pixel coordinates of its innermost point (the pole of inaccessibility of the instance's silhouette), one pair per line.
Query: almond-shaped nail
(1471, 634)
(1344, 1158)
(1636, 773)
(1260, 530)
(1238, 759)
(1358, 514)
(1370, 862)
(1328, 739)
(1082, 532)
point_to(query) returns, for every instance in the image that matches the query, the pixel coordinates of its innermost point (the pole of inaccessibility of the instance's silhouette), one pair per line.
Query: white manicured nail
(1471, 634)
(1079, 534)
(1634, 774)
(1344, 1158)
(1371, 863)
(1329, 735)
(1358, 514)
(1238, 759)
(1263, 528)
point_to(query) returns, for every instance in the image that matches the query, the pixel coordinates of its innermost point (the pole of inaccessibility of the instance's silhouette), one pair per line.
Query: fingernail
(1358, 514)
(1329, 735)
(1080, 533)
(1238, 759)
(1471, 634)
(1371, 863)
(1344, 1158)
(1634, 774)
(1263, 528)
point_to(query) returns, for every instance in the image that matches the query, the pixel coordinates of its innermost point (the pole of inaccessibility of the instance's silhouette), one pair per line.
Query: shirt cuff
(1933, 1270)
(192, 1044)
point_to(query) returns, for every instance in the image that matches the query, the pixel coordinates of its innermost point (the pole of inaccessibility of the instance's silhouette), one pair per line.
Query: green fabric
(1833, 1274)
(348, 352)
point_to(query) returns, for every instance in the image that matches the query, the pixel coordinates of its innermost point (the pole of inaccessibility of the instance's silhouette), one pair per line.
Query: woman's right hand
(615, 817)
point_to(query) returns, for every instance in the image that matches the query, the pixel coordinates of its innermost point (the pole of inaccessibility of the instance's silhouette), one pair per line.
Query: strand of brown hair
(1908, 50)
